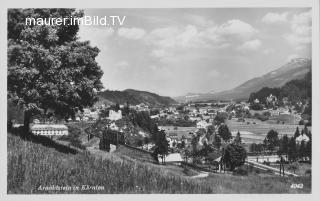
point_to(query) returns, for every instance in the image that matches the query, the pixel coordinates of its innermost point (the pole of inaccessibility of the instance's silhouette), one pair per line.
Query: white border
(163, 4)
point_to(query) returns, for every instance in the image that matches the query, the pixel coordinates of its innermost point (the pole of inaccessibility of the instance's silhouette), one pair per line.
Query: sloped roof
(302, 138)
(48, 127)
(174, 157)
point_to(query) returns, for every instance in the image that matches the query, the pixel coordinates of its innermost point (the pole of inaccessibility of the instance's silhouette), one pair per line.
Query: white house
(113, 126)
(114, 116)
(301, 138)
(202, 124)
(256, 101)
(49, 129)
(174, 158)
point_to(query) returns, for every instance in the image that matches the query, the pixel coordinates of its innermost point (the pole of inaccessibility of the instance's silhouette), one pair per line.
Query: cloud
(96, 36)
(176, 37)
(191, 36)
(267, 51)
(122, 63)
(236, 27)
(301, 28)
(131, 33)
(198, 20)
(251, 45)
(275, 18)
(292, 56)
(214, 73)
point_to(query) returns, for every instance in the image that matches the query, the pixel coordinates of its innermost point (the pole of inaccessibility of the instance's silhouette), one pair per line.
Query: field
(179, 131)
(32, 163)
(259, 130)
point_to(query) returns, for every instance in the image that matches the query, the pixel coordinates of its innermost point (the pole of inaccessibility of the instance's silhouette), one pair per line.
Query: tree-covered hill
(135, 97)
(295, 90)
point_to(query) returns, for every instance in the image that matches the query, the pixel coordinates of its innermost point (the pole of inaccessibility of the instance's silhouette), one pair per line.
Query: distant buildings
(256, 101)
(202, 124)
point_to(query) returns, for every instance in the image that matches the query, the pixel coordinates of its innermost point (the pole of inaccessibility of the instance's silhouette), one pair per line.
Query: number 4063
(296, 186)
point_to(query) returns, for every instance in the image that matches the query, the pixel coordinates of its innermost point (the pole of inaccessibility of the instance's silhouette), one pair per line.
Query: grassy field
(179, 131)
(259, 130)
(31, 164)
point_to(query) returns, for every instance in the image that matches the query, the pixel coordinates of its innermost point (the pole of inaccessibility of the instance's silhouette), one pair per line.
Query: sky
(173, 52)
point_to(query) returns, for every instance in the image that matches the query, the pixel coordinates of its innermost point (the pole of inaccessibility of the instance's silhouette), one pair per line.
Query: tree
(146, 140)
(284, 146)
(272, 140)
(234, 156)
(162, 145)
(220, 118)
(302, 150)
(224, 132)
(292, 150)
(297, 133)
(48, 68)
(217, 141)
(293, 167)
(237, 140)
(210, 130)
(117, 107)
(309, 149)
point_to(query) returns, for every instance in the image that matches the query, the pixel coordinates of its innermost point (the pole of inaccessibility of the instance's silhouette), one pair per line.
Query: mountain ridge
(294, 69)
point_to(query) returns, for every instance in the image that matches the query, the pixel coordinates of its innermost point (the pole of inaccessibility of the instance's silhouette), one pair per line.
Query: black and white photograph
(160, 100)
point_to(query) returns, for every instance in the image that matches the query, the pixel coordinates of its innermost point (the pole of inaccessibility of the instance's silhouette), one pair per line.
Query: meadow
(258, 130)
(31, 164)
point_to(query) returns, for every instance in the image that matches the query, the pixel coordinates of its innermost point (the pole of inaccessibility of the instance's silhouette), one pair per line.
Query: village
(194, 133)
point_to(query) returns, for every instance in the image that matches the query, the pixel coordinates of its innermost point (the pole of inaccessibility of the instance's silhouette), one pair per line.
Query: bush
(242, 170)
(266, 163)
(256, 106)
(267, 114)
(308, 172)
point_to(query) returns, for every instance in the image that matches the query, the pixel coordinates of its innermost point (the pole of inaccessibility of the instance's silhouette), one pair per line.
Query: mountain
(295, 69)
(134, 97)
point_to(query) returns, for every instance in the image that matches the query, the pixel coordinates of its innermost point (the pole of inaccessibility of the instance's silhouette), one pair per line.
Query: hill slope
(295, 69)
(134, 97)
(31, 165)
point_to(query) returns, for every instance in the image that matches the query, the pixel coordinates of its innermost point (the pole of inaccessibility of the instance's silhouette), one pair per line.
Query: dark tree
(309, 149)
(224, 132)
(237, 140)
(297, 133)
(210, 130)
(272, 140)
(284, 145)
(234, 156)
(117, 107)
(220, 118)
(302, 150)
(217, 141)
(48, 68)
(292, 150)
(162, 145)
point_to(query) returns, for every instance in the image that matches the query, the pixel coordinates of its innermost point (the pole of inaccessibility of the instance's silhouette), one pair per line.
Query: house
(114, 116)
(172, 138)
(301, 138)
(202, 124)
(173, 158)
(49, 129)
(113, 126)
(156, 116)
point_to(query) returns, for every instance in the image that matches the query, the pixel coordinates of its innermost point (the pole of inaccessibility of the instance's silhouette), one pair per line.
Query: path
(265, 167)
